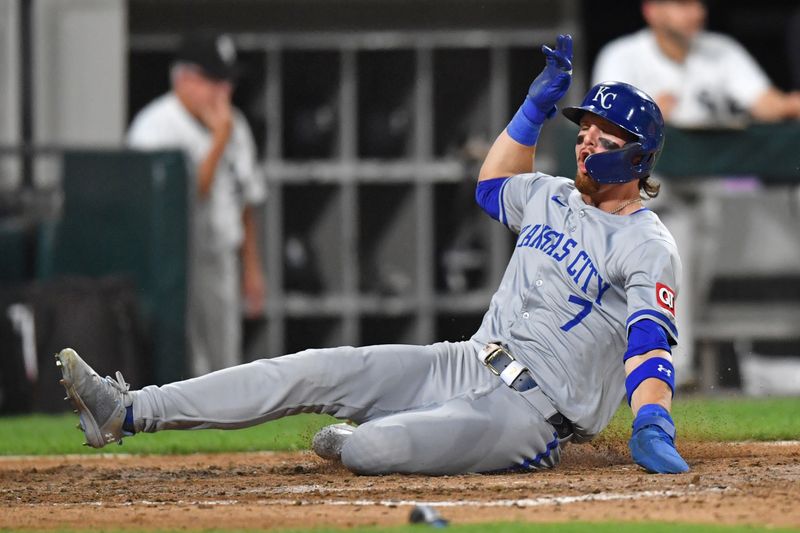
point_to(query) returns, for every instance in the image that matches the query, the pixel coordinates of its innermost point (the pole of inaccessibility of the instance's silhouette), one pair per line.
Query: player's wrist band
(522, 129)
(655, 367)
(533, 113)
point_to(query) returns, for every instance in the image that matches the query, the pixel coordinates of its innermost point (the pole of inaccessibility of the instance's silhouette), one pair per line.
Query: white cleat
(328, 441)
(100, 402)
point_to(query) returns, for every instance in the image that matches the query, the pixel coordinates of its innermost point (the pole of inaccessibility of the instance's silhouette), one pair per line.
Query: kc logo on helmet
(665, 297)
(603, 97)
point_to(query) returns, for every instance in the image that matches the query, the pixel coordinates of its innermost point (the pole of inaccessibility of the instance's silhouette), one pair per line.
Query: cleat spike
(75, 411)
(66, 398)
(61, 382)
(85, 444)
(58, 362)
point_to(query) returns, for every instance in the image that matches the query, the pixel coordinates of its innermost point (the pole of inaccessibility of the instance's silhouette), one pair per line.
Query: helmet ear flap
(616, 166)
(644, 164)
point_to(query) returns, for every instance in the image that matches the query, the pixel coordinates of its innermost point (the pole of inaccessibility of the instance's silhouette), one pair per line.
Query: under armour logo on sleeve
(665, 370)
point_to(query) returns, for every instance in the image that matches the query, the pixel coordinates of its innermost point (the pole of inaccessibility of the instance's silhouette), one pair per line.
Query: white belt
(514, 374)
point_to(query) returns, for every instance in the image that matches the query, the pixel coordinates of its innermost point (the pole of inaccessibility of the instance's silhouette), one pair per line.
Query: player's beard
(585, 184)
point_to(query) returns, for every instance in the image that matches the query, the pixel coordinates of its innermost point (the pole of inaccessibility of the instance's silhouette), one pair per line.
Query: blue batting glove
(547, 89)
(551, 85)
(652, 443)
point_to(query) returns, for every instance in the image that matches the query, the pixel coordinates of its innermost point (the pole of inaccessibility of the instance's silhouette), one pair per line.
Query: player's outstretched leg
(100, 402)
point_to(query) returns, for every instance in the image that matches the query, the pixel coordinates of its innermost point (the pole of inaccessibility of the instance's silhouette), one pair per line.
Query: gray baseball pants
(421, 409)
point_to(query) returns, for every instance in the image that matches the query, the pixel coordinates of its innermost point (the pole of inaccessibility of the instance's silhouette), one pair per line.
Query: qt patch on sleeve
(665, 298)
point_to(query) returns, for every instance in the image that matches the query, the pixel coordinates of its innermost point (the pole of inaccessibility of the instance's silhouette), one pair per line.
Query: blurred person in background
(225, 270)
(793, 46)
(698, 78)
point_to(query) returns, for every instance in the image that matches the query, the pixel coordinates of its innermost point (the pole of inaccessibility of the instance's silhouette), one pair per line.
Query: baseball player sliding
(584, 314)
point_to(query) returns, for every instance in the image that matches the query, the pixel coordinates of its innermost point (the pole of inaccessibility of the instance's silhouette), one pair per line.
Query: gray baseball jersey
(577, 277)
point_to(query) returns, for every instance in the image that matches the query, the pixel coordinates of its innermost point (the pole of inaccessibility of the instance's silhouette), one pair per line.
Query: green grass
(710, 419)
(506, 527)
(725, 419)
(56, 434)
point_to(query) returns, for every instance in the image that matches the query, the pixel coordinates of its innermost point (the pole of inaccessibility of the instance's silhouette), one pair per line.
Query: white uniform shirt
(165, 123)
(718, 82)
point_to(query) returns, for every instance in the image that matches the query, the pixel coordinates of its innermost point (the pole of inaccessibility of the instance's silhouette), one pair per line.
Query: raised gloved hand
(552, 83)
(652, 442)
(548, 88)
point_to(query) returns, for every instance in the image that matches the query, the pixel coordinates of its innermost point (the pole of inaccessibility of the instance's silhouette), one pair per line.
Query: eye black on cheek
(609, 145)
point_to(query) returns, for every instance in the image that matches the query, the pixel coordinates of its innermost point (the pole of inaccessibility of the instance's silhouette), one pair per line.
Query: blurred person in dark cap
(225, 271)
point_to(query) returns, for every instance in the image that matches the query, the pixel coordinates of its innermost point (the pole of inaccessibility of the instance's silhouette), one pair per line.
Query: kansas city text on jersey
(578, 264)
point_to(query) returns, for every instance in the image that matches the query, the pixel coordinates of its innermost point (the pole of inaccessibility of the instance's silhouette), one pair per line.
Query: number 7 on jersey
(586, 308)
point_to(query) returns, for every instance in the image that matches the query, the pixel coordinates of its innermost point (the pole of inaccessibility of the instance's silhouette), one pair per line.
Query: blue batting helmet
(635, 112)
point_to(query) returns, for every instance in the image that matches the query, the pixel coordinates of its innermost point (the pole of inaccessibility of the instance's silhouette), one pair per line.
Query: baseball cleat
(99, 402)
(328, 441)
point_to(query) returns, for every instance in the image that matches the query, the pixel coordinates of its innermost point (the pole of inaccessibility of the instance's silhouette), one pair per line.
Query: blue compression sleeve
(487, 194)
(646, 335)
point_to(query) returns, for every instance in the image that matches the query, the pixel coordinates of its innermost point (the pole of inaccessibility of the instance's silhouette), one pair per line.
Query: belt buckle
(498, 349)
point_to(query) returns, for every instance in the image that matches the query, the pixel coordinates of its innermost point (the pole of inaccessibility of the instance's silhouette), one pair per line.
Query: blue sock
(127, 425)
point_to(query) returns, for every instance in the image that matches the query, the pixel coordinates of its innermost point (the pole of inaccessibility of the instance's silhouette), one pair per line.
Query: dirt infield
(746, 483)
